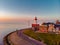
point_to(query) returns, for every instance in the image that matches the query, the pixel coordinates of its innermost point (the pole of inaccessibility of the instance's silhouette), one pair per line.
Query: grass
(48, 38)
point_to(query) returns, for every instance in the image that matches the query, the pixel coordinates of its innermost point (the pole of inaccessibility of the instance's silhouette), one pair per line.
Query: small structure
(35, 26)
(43, 29)
(51, 28)
(57, 22)
(57, 26)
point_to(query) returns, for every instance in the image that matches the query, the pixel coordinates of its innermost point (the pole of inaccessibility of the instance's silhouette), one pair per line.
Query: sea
(8, 28)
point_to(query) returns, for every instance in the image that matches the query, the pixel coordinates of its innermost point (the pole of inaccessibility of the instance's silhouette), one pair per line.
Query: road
(18, 38)
(29, 39)
(14, 39)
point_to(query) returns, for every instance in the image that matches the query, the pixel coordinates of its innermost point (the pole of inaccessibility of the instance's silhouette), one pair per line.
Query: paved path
(16, 40)
(29, 39)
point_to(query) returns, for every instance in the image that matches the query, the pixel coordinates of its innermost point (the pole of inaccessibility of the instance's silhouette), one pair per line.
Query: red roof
(33, 25)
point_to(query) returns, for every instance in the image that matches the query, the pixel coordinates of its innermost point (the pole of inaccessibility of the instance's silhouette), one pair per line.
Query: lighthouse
(35, 26)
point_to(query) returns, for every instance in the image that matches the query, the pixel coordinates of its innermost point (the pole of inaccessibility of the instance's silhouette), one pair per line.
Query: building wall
(51, 27)
(43, 28)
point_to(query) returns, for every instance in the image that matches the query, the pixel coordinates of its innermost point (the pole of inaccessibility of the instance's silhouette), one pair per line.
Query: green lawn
(48, 38)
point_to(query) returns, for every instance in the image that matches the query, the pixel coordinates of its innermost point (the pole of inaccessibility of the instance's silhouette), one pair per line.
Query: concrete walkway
(14, 39)
(29, 39)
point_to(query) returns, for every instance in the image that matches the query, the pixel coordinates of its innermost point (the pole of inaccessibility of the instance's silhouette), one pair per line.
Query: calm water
(7, 28)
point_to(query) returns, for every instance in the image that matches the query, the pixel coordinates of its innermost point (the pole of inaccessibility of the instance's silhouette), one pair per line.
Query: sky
(28, 9)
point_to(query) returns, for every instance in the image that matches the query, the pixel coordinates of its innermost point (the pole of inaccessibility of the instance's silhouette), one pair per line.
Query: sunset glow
(21, 10)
